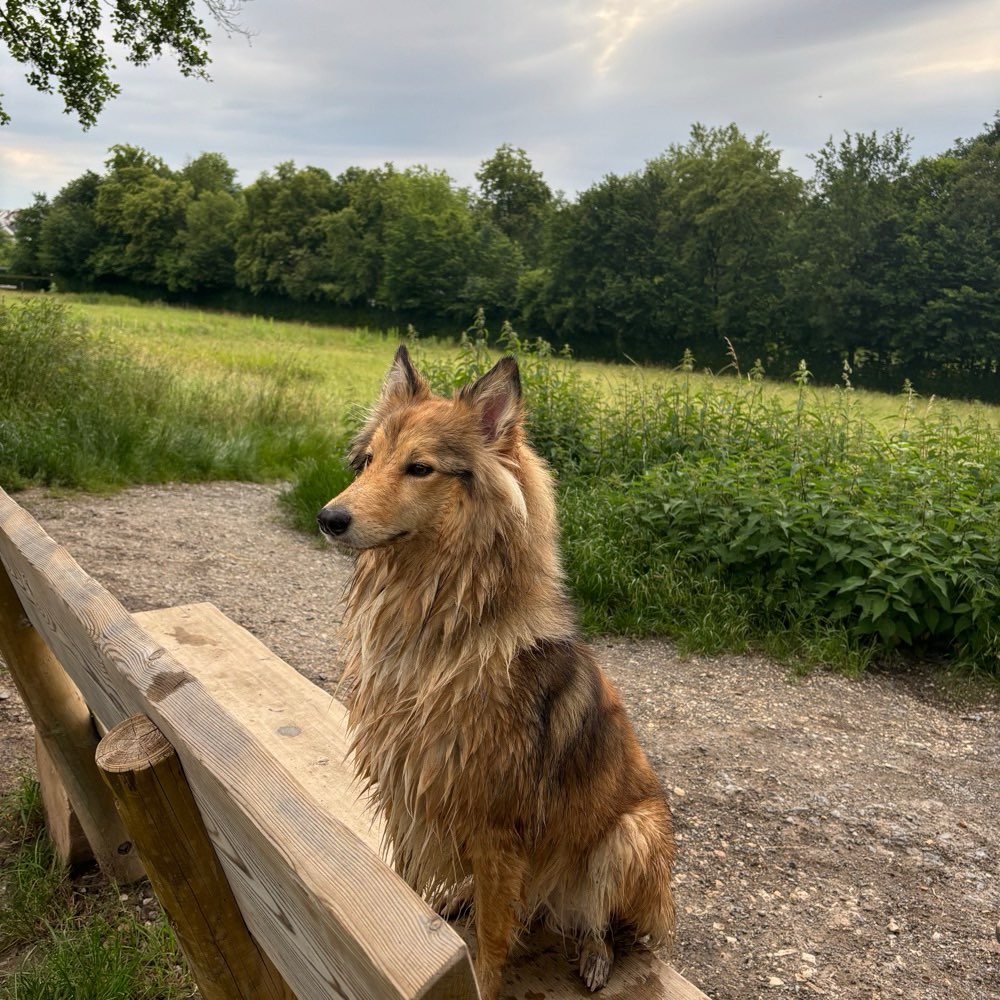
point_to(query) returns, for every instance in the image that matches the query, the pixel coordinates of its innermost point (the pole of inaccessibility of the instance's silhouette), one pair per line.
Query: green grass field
(826, 525)
(348, 365)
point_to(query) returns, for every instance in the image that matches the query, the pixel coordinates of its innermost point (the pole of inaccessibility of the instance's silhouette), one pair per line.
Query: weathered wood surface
(301, 724)
(63, 723)
(142, 770)
(306, 729)
(69, 842)
(333, 918)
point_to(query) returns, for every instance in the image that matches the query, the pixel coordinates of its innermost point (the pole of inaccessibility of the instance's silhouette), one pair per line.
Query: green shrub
(836, 538)
(316, 482)
(712, 511)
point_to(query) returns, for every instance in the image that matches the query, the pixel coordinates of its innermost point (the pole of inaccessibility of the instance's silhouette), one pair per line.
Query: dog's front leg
(499, 874)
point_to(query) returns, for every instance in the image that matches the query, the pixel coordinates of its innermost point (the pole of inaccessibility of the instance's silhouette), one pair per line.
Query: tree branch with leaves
(63, 43)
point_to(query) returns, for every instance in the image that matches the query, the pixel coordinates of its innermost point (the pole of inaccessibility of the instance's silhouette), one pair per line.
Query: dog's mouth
(359, 545)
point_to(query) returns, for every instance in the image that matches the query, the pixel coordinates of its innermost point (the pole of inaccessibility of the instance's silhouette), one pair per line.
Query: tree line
(884, 264)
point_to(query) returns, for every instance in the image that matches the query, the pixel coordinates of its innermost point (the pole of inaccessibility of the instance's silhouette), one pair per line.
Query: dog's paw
(596, 959)
(457, 904)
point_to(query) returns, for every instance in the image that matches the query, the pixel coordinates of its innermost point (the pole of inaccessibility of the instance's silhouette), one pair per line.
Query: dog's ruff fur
(496, 749)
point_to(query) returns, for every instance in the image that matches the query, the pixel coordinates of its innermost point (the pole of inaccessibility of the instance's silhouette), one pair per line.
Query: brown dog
(499, 753)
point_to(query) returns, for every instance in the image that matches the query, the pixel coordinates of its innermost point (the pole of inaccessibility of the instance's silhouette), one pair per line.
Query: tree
(28, 237)
(955, 269)
(281, 245)
(70, 233)
(725, 208)
(516, 197)
(846, 288)
(205, 247)
(428, 242)
(601, 288)
(355, 235)
(64, 43)
(684, 253)
(6, 249)
(210, 172)
(140, 206)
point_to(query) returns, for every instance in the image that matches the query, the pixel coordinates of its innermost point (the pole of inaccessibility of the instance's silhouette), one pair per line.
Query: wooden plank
(542, 966)
(333, 918)
(142, 770)
(62, 721)
(301, 724)
(306, 729)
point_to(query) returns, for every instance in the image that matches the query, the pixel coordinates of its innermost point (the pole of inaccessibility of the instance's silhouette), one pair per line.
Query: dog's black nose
(334, 520)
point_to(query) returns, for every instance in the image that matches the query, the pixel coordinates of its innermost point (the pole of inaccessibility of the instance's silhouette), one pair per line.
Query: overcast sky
(586, 87)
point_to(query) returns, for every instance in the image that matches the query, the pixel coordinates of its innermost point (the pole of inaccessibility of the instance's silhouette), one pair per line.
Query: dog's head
(423, 464)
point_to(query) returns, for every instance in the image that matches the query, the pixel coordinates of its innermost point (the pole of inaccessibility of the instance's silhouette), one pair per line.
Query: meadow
(738, 510)
(741, 510)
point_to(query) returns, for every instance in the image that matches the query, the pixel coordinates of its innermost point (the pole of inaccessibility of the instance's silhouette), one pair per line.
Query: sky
(585, 87)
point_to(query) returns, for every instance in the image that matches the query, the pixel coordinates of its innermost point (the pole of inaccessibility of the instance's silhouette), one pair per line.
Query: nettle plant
(825, 518)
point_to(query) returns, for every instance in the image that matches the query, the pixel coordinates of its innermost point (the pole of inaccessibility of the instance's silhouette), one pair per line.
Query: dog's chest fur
(433, 713)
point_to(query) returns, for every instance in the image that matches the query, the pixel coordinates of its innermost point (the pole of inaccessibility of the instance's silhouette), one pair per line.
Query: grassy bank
(82, 409)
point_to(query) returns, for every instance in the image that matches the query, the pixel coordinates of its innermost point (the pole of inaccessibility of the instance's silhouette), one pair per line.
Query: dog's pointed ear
(496, 400)
(403, 382)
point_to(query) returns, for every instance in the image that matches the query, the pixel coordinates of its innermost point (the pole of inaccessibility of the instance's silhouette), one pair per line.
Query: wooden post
(61, 821)
(63, 723)
(143, 771)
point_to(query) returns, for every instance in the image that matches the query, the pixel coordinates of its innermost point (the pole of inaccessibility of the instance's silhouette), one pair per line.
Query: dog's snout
(334, 520)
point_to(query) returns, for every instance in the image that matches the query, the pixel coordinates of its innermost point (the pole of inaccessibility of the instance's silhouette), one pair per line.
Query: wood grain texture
(542, 965)
(63, 724)
(153, 797)
(302, 725)
(333, 918)
(306, 730)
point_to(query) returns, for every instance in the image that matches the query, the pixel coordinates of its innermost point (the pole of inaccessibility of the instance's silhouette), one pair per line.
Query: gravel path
(836, 838)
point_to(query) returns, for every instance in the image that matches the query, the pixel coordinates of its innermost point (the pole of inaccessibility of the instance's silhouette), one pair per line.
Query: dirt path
(836, 838)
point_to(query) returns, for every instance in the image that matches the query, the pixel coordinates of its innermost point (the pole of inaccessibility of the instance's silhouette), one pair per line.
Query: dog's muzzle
(334, 521)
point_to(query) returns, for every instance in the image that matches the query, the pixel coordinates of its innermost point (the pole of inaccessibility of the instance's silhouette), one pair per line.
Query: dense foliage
(713, 512)
(888, 264)
(64, 43)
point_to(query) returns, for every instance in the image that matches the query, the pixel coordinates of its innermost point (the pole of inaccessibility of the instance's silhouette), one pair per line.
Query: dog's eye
(361, 463)
(418, 469)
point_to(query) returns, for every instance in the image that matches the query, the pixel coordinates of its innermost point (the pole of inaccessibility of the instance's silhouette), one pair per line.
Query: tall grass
(72, 945)
(79, 410)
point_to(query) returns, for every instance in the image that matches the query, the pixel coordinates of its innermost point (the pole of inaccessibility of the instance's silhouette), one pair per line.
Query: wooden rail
(263, 753)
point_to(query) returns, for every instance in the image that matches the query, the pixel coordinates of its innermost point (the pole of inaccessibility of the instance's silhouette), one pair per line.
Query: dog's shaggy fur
(497, 750)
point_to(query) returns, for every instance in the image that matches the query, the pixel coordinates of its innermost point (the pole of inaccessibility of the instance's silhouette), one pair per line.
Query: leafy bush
(317, 481)
(837, 538)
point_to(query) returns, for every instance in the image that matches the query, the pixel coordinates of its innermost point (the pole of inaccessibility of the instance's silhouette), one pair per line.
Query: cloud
(587, 87)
